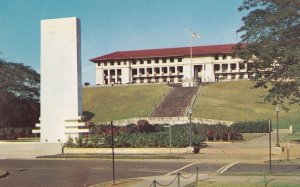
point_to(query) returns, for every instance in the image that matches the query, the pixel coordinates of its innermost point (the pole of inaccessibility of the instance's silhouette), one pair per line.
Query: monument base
(277, 150)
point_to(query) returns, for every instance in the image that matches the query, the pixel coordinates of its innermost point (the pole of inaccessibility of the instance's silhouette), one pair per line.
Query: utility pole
(113, 151)
(270, 150)
(277, 135)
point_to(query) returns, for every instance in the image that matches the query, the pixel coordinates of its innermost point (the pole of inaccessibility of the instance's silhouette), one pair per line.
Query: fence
(155, 183)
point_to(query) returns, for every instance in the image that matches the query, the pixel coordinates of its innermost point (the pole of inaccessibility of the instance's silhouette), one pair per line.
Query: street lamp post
(190, 115)
(277, 135)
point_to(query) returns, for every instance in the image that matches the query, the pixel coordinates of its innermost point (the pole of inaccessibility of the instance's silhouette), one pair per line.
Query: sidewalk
(172, 180)
(203, 179)
(27, 150)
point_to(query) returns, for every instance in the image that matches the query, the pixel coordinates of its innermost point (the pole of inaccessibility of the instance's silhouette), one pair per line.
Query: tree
(86, 84)
(271, 40)
(19, 95)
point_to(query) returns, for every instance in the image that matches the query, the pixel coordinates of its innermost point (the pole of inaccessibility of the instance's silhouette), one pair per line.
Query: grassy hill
(122, 102)
(236, 101)
(233, 101)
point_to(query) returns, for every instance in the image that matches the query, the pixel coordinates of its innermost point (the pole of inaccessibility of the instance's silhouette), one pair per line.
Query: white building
(174, 65)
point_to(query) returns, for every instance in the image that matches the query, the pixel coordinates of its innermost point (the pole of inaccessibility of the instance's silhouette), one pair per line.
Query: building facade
(171, 65)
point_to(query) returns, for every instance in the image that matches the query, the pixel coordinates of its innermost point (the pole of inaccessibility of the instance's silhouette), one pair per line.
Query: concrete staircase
(176, 102)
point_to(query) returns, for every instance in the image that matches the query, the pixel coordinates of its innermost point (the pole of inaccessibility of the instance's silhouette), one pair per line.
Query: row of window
(112, 72)
(232, 76)
(157, 70)
(143, 61)
(179, 69)
(157, 80)
(156, 60)
(242, 66)
(112, 63)
(223, 57)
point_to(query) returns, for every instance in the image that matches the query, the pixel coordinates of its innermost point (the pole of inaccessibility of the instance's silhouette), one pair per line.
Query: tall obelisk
(61, 96)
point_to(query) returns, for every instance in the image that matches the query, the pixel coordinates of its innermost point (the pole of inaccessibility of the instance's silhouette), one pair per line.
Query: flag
(195, 35)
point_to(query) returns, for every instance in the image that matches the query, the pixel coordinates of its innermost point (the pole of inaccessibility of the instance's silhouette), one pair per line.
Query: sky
(115, 25)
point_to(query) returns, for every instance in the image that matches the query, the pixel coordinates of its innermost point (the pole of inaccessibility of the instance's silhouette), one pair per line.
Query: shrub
(104, 130)
(70, 143)
(143, 126)
(251, 127)
(130, 136)
(13, 133)
(143, 134)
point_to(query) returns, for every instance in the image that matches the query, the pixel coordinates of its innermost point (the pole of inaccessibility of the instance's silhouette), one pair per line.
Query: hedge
(13, 133)
(144, 134)
(251, 127)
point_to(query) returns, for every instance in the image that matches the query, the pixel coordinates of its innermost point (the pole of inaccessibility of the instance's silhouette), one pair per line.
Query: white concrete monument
(61, 97)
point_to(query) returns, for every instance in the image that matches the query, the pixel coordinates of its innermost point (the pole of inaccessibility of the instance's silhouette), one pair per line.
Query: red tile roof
(167, 52)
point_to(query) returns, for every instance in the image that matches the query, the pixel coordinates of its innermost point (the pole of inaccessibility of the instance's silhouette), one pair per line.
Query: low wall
(172, 121)
(123, 150)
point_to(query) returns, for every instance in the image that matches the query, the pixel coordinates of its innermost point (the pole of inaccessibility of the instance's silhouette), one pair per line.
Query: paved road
(87, 172)
(276, 168)
(235, 167)
(79, 172)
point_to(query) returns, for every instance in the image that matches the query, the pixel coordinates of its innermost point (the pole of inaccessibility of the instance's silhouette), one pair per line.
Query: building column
(108, 76)
(229, 76)
(153, 72)
(99, 76)
(125, 75)
(116, 76)
(176, 79)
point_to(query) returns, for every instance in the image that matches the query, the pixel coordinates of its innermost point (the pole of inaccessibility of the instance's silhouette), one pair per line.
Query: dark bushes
(251, 127)
(13, 133)
(143, 134)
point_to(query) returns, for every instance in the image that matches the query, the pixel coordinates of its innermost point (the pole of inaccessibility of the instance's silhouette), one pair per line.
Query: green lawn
(233, 101)
(236, 101)
(122, 102)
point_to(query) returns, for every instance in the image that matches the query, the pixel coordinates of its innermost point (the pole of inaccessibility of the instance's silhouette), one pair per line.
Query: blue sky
(114, 25)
